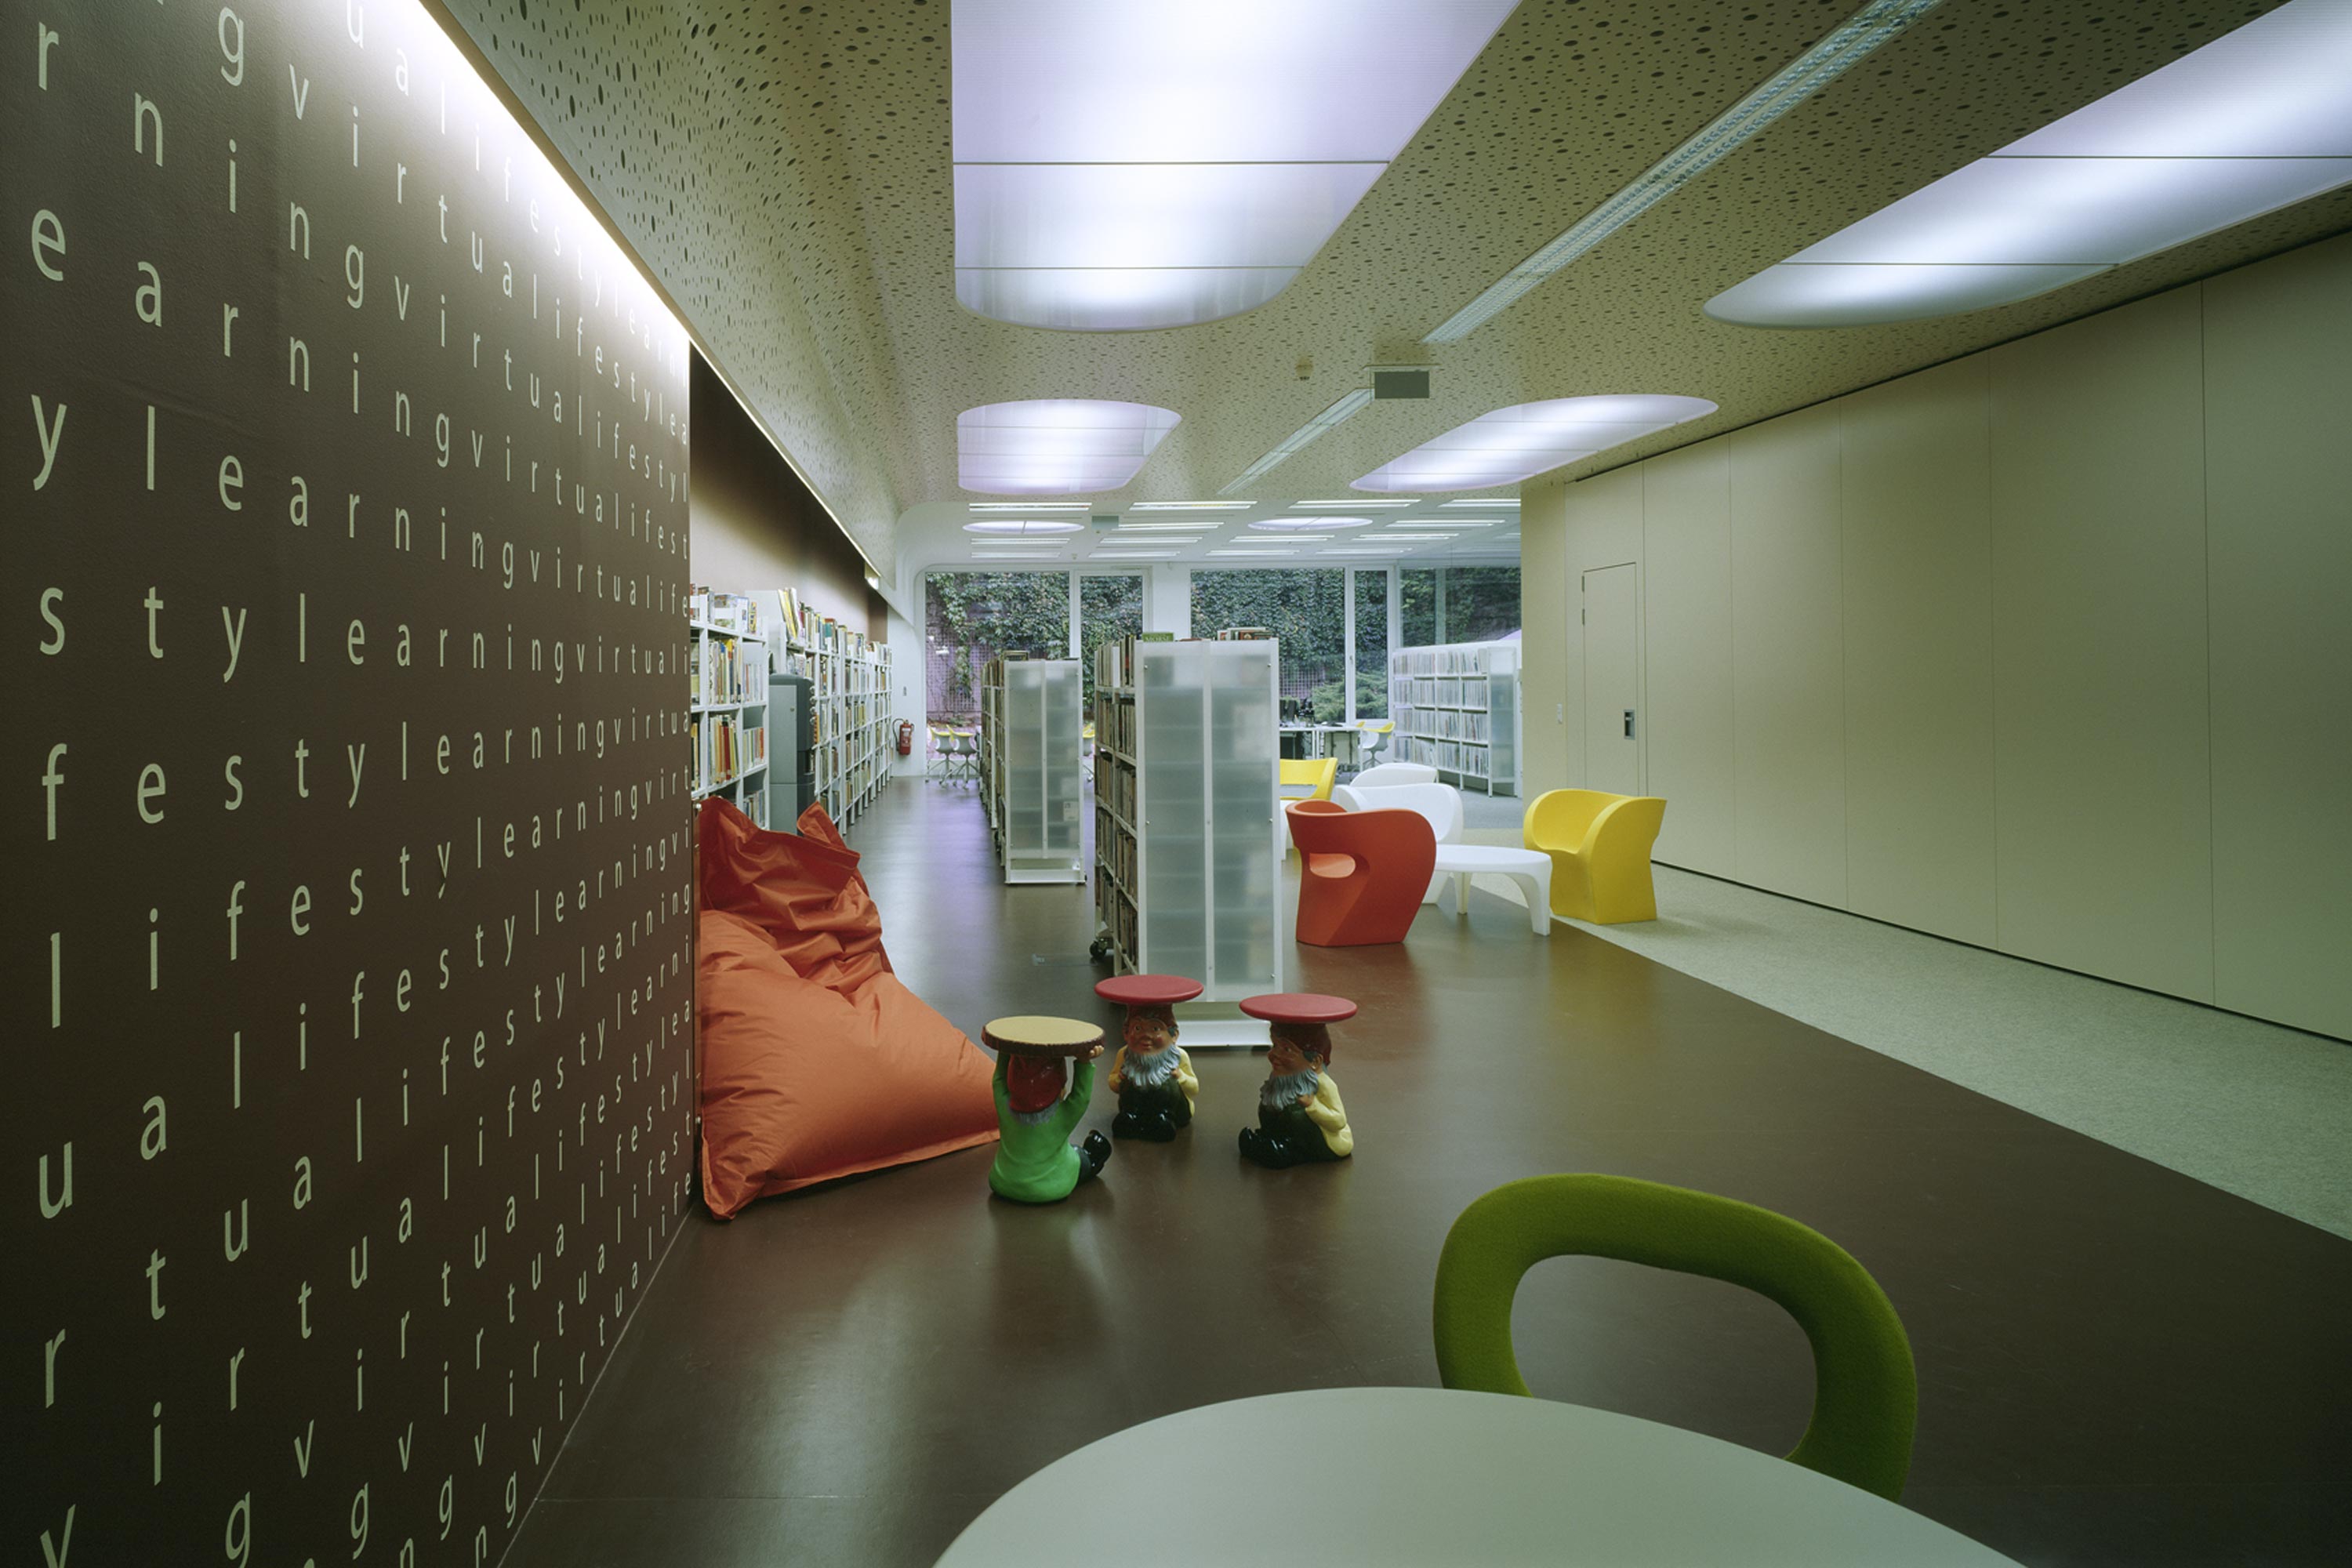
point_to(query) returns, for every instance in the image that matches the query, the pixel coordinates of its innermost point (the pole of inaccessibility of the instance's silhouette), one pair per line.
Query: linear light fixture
(1522, 441)
(1296, 524)
(1499, 501)
(1847, 45)
(1016, 555)
(1191, 506)
(1020, 527)
(1358, 501)
(1030, 505)
(2255, 120)
(1055, 445)
(1418, 537)
(1170, 525)
(1125, 166)
(1254, 555)
(1349, 405)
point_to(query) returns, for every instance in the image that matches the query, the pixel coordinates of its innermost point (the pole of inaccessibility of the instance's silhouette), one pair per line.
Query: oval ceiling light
(1055, 445)
(2255, 120)
(1309, 524)
(1522, 441)
(1027, 527)
(1125, 167)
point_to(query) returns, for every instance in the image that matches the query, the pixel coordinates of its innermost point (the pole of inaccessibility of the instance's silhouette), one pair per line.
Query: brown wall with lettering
(342, 967)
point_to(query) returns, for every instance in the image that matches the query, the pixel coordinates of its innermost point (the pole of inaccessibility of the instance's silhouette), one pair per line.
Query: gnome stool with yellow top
(1034, 1161)
(1299, 1117)
(1151, 1075)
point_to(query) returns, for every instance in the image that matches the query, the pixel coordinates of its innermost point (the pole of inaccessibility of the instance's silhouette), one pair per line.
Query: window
(1372, 644)
(970, 618)
(1109, 608)
(1457, 604)
(1306, 609)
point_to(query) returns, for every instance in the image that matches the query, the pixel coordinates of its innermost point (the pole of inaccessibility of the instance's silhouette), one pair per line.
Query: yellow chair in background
(1600, 849)
(1315, 775)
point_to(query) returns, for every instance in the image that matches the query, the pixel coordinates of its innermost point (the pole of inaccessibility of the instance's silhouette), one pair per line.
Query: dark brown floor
(2117, 1364)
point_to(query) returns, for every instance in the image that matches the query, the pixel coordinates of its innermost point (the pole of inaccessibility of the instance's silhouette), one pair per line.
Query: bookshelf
(1456, 709)
(1031, 766)
(1188, 848)
(848, 744)
(726, 702)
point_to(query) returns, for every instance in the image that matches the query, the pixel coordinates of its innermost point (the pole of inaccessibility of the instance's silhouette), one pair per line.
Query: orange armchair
(1600, 849)
(1362, 873)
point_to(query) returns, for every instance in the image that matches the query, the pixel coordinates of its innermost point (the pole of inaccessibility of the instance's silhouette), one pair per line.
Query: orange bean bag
(815, 1061)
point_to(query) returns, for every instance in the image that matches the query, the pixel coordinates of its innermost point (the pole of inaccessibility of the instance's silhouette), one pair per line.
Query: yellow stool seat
(1315, 775)
(1599, 848)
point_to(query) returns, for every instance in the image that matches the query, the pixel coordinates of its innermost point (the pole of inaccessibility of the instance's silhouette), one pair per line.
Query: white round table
(1429, 1476)
(1530, 868)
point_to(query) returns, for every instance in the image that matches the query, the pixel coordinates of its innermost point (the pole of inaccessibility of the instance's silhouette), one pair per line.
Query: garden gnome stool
(1034, 1161)
(1151, 1075)
(1299, 1117)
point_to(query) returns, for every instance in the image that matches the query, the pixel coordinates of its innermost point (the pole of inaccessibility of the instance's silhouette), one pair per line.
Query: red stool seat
(1148, 990)
(1299, 1007)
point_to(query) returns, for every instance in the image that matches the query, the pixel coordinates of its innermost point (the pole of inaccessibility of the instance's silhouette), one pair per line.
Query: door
(1612, 726)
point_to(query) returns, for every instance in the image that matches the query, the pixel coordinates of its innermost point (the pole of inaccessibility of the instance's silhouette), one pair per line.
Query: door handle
(1629, 724)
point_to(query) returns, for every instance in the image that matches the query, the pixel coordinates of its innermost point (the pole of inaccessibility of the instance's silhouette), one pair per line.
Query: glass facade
(1371, 652)
(970, 618)
(1457, 604)
(1306, 609)
(1109, 607)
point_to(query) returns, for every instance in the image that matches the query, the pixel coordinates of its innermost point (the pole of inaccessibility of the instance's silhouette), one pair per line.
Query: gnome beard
(1150, 1071)
(1281, 1091)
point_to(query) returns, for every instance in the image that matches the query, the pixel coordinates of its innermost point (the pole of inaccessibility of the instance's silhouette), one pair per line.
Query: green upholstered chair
(1865, 1394)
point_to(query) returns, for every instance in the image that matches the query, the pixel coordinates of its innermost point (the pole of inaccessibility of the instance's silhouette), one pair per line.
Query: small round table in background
(1299, 1007)
(1148, 990)
(1429, 1476)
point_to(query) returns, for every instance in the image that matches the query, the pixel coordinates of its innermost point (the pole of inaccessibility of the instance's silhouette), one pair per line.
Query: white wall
(2047, 649)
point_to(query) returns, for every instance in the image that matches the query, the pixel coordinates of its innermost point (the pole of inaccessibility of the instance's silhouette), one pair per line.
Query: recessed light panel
(1031, 527)
(2253, 122)
(1522, 441)
(1052, 446)
(1123, 166)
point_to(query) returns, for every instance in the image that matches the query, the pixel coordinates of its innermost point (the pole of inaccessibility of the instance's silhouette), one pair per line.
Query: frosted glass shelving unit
(1188, 846)
(726, 716)
(1031, 766)
(1456, 709)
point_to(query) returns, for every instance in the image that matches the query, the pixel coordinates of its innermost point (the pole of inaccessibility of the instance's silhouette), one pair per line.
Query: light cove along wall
(2044, 649)
(345, 984)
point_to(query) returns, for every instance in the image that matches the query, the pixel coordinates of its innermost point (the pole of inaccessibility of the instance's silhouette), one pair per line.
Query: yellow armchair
(1600, 849)
(1315, 775)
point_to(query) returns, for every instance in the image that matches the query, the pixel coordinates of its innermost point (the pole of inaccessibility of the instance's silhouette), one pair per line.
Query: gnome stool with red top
(1034, 1161)
(1151, 1075)
(1299, 1117)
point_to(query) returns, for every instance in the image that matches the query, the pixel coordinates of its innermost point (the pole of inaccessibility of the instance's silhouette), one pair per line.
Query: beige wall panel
(1917, 512)
(2103, 771)
(2278, 380)
(1788, 680)
(1603, 528)
(1686, 624)
(1545, 623)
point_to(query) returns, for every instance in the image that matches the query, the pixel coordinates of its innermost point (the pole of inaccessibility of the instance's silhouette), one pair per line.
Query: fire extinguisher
(906, 737)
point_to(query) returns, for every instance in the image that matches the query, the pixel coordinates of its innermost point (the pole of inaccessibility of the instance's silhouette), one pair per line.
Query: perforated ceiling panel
(785, 168)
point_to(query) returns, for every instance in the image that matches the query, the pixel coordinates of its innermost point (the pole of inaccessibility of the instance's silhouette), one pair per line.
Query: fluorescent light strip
(1846, 45)
(1445, 503)
(1418, 537)
(2258, 120)
(1349, 405)
(1010, 555)
(1173, 525)
(1032, 506)
(1507, 445)
(1191, 506)
(1358, 501)
(1254, 555)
